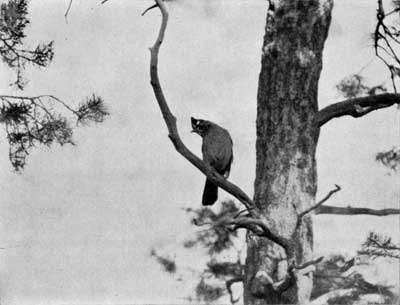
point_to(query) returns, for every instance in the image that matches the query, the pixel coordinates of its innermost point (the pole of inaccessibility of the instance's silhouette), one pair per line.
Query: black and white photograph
(199, 152)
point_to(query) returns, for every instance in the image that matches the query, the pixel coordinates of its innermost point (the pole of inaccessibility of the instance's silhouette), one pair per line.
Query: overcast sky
(78, 224)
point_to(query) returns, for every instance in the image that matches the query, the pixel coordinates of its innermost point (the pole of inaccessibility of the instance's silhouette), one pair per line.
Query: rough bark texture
(287, 136)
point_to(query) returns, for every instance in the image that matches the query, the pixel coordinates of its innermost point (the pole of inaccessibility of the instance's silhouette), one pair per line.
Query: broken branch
(336, 189)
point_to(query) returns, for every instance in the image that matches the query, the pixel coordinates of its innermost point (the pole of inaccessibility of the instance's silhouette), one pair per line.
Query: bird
(217, 153)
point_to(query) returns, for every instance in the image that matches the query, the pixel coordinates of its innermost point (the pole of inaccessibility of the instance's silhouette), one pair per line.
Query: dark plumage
(217, 152)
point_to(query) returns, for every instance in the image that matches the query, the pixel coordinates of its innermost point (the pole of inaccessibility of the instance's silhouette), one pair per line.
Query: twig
(149, 8)
(321, 201)
(67, 11)
(387, 36)
(243, 211)
(312, 262)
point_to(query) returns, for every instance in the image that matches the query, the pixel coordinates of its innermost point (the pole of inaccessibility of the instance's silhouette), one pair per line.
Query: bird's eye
(199, 124)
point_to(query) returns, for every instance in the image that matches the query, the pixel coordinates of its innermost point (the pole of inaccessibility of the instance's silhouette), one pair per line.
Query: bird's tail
(210, 194)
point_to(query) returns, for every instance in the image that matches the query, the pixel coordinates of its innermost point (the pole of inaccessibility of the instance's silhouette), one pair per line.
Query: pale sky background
(78, 224)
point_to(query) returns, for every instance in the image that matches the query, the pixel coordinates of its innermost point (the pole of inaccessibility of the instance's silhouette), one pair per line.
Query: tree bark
(287, 136)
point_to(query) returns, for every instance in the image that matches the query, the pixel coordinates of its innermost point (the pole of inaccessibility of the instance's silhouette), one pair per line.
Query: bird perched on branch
(217, 153)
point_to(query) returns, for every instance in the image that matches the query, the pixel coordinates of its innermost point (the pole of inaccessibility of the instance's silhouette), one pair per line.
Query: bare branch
(386, 40)
(327, 209)
(170, 121)
(243, 211)
(321, 201)
(310, 263)
(149, 8)
(68, 9)
(356, 107)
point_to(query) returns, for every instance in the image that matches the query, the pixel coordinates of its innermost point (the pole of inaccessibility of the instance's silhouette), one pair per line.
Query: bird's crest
(200, 126)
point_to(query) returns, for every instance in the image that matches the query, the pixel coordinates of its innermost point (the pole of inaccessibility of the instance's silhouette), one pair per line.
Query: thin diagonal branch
(318, 204)
(328, 209)
(241, 212)
(170, 120)
(309, 263)
(149, 8)
(356, 107)
(68, 9)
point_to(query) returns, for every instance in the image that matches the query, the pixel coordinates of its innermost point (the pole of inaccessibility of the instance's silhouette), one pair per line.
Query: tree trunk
(286, 179)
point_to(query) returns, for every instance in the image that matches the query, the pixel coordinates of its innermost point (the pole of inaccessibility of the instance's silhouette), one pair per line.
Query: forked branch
(357, 107)
(170, 120)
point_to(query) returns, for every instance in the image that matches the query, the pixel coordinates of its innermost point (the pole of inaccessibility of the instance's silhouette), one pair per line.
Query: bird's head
(200, 126)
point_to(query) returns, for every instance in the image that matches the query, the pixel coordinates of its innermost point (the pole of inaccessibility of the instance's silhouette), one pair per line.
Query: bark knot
(260, 283)
(271, 50)
(305, 57)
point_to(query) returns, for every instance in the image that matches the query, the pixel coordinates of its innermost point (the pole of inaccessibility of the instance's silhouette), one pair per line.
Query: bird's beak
(193, 121)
